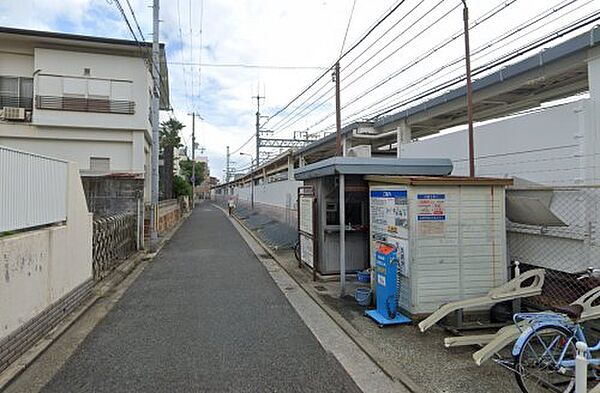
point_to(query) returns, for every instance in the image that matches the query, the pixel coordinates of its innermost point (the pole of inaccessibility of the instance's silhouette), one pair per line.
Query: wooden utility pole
(338, 112)
(469, 91)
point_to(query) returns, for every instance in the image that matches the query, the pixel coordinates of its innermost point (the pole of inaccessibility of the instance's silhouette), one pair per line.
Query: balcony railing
(77, 104)
(14, 101)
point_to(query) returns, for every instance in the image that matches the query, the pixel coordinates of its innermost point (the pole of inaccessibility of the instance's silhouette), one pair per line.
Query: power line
(191, 52)
(135, 21)
(279, 126)
(582, 22)
(347, 27)
(447, 67)
(373, 27)
(242, 65)
(503, 5)
(421, 79)
(187, 96)
(431, 25)
(200, 51)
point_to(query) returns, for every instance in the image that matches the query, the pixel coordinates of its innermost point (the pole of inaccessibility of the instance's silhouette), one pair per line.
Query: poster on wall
(306, 250)
(389, 212)
(306, 214)
(389, 222)
(431, 214)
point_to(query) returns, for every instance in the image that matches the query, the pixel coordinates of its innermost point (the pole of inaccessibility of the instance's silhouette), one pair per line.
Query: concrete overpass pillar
(403, 136)
(592, 130)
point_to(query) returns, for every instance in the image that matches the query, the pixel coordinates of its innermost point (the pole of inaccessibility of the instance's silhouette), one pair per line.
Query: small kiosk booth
(333, 216)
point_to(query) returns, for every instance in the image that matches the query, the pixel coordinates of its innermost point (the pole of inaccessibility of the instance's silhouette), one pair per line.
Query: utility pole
(338, 112)
(227, 167)
(258, 98)
(469, 91)
(155, 118)
(193, 159)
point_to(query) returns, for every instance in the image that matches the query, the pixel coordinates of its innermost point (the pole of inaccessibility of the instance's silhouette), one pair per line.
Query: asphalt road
(204, 316)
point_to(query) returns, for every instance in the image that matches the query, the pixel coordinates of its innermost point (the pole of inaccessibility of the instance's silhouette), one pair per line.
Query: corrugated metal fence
(33, 190)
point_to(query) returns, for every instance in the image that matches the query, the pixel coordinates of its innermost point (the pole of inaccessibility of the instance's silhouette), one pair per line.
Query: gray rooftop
(375, 166)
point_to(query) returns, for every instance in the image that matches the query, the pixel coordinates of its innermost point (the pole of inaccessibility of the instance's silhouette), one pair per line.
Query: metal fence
(561, 250)
(114, 239)
(33, 190)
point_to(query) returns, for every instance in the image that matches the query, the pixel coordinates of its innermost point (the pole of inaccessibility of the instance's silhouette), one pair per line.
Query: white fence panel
(33, 190)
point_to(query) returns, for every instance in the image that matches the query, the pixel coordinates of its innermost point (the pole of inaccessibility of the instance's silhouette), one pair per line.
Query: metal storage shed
(450, 232)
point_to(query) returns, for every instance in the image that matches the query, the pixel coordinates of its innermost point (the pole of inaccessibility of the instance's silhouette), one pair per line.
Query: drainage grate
(264, 255)
(320, 288)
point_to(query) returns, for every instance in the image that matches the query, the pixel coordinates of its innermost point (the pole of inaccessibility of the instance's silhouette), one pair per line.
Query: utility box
(450, 231)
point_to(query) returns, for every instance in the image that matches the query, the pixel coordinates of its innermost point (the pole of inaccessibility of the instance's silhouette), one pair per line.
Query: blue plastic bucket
(364, 276)
(363, 296)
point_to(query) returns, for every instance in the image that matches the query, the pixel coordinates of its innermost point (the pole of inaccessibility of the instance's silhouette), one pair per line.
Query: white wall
(78, 145)
(39, 267)
(545, 147)
(51, 62)
(16, 64)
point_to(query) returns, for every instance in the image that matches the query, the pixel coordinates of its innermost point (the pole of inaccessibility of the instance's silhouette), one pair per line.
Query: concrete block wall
(39, 267)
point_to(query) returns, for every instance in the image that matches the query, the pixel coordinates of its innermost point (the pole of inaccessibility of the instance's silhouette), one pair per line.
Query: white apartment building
(80, 98)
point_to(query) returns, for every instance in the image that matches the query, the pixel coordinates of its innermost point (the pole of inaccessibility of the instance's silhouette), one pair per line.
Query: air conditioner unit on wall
(13, 113)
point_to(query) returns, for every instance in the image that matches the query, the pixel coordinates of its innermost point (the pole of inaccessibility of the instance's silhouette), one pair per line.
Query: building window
(16, 92)
(99, 164)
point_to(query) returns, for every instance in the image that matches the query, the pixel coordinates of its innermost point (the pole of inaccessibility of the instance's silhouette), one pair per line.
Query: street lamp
(251, 178)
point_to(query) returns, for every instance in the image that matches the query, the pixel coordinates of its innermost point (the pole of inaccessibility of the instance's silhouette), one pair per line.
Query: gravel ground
(204, 316)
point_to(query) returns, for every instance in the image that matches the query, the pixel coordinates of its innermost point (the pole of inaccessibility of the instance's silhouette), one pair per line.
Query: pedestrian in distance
(231, 206)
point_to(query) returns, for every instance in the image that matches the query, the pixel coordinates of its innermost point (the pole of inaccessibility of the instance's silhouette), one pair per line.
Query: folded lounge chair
(524, 285)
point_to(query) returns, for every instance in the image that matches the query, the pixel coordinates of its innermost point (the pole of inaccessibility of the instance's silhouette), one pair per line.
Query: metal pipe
(342, 212)
(338, 112)
(356, 134)
(155, 119)
(469, 91)
(581, 368)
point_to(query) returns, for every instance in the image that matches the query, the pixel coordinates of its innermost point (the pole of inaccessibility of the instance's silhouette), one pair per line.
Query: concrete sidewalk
(204, 316)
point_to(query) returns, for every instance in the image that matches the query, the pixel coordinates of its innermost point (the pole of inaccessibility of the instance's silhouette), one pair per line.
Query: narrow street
(204, 316)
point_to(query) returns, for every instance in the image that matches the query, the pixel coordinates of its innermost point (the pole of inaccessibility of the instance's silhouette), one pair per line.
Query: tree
(186, 171)
(169, 140)
(181, 187)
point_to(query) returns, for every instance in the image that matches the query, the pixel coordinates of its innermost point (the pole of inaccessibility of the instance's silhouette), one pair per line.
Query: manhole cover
(320, 288)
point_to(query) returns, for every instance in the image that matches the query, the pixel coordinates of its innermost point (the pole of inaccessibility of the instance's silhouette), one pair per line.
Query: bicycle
(543, 357)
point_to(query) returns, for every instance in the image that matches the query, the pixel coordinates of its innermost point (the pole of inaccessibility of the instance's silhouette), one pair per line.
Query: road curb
(387, 366)
(100, 290)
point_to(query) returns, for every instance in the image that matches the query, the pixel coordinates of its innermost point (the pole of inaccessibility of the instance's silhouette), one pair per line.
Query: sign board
(306, 250)
(389, 222)
(306, 214)
(431, 214)
(389, 212)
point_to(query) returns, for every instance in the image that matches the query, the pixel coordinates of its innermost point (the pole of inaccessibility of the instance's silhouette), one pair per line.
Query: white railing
(33, 190)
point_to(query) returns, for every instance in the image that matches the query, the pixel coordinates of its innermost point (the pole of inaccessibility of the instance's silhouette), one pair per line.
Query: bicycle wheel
(537, 363)
(297, 251)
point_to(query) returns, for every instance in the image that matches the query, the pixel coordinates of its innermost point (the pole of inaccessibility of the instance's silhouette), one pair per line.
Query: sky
(418, 47)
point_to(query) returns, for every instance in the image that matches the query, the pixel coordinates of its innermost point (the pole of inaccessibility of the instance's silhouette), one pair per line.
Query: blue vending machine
(386, 288)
